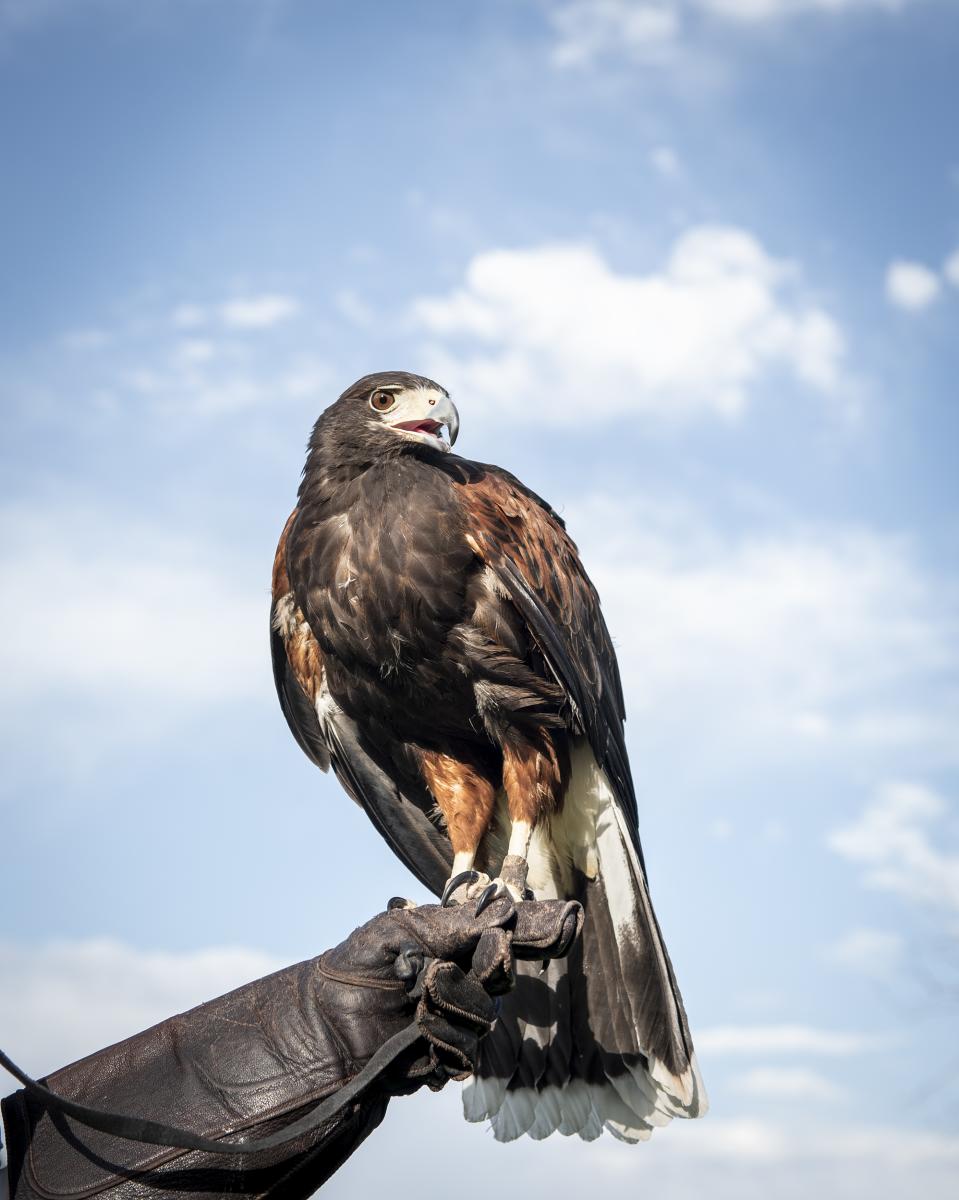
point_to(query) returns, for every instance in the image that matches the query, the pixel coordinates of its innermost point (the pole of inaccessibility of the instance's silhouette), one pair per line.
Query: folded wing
(330, 738)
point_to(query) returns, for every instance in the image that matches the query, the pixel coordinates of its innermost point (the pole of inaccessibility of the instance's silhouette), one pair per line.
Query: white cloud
(244, 312)
(258, 312)
(192, 364)
(787, 1083)
(780, 1039)
(586, 29)
(951, 268)
(62, 1000)
(189, 316)
(872, 952)
(195, 350)
(759, 1140)
(559, 326)
(757, 11)
(115, 610)
(898, 840)
(796, 643)
(748, 1157)
(665, 160)
(911, 285)
(649, 31)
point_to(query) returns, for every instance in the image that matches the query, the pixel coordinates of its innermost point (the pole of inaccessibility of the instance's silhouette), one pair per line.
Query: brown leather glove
(451, 963)
(256, 1060)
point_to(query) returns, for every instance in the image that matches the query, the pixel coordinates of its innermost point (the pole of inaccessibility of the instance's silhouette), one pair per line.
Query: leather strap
(155, 1133)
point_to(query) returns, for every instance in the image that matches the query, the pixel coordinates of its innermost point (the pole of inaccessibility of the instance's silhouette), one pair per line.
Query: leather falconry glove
(252, 1066)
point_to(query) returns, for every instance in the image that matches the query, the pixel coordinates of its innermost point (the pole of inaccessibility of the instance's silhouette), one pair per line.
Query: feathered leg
(465, 797)
(535, 773)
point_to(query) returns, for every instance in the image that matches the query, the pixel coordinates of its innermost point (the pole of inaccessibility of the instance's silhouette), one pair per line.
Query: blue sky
(690, 269)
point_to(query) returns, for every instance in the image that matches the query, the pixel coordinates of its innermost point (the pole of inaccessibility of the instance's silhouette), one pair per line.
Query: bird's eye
(382, 401)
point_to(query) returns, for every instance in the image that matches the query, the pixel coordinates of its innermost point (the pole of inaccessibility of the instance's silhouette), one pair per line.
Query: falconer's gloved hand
(442, 966)
(254, 1061)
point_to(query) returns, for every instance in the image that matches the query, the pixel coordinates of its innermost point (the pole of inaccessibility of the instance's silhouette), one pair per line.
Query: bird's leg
(465, 798)
(463, 878)
(533, 780)
(463, 861)
(511, 880)
(515, 866)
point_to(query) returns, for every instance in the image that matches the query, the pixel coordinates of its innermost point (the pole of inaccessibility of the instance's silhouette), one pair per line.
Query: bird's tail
(599, 1039)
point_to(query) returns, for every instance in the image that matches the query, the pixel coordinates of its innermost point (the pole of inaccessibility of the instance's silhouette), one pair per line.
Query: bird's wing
(297, 662)
(525, 544)
(330, 738)
(632, 1067)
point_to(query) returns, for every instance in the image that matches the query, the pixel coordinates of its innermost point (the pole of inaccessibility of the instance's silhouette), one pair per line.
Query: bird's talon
(490, 893)
(457, 881)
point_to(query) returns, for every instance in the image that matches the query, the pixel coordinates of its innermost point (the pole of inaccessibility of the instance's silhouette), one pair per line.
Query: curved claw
(487, 896)
(456, 882)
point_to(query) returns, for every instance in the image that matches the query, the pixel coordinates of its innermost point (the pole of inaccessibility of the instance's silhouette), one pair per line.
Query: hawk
(437, 642)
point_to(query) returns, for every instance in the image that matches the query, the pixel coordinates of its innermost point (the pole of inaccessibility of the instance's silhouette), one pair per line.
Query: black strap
(134, 1129)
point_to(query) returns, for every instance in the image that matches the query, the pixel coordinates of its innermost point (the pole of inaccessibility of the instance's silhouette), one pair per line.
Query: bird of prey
(437, 641)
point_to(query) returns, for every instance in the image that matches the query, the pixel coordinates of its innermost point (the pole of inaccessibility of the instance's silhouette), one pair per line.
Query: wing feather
(525, 544)
(400, 811)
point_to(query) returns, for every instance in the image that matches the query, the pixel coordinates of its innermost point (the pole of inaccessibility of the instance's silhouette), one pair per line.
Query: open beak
(430, 425)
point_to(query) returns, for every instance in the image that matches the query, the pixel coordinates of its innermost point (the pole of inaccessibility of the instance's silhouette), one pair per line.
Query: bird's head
(387, 413)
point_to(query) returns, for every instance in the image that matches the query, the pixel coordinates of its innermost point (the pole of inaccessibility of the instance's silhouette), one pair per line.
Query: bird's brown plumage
(437, 639)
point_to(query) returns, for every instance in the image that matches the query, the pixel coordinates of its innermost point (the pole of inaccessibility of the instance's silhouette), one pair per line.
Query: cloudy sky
(691, 270)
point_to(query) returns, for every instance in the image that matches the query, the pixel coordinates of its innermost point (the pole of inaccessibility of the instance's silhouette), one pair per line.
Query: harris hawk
(437, 641)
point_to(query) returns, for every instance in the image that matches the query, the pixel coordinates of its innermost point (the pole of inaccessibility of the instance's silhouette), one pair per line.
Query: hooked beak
(427, 428)
(445, 412)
